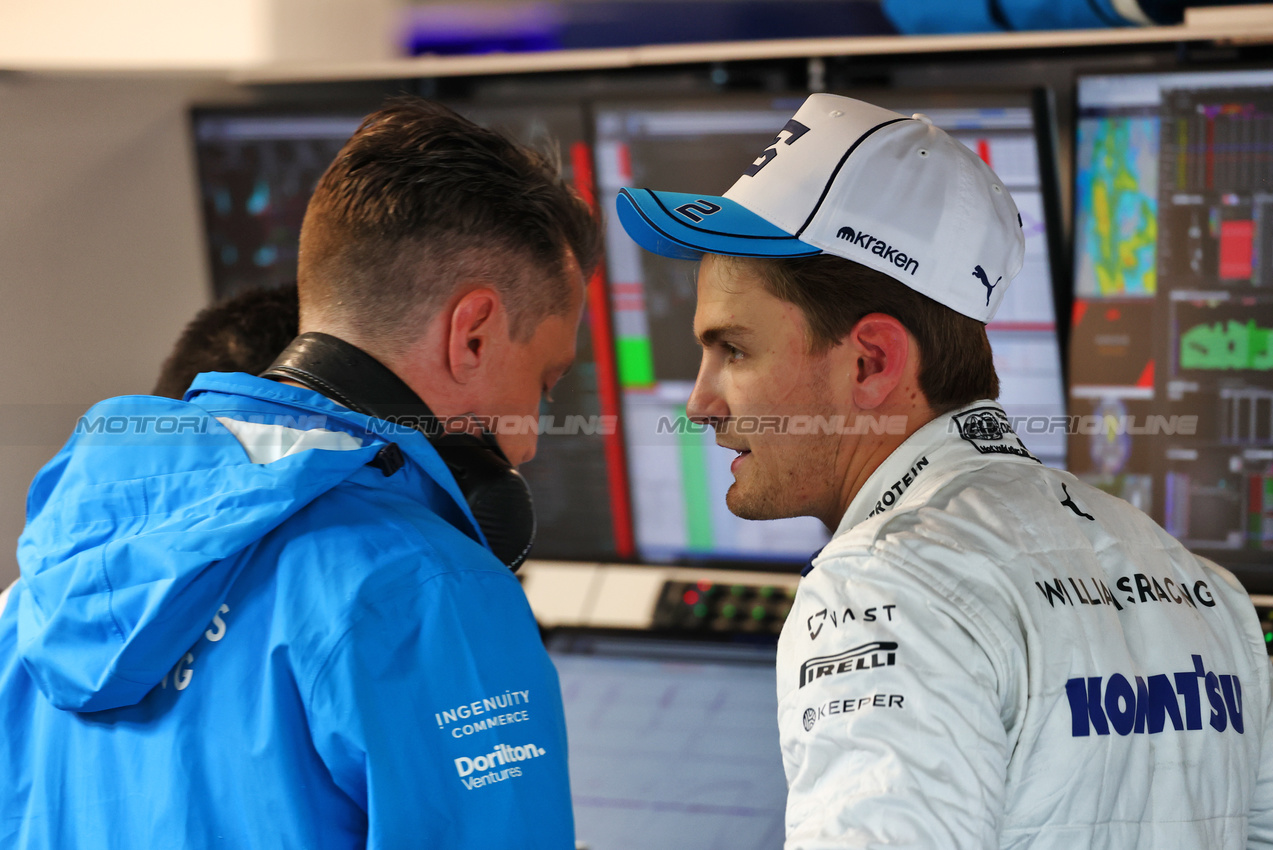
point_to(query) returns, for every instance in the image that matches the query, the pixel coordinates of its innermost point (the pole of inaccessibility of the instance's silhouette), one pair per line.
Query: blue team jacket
(204, 651)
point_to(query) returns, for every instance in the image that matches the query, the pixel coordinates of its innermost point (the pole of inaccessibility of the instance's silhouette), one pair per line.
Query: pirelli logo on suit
(868, 656)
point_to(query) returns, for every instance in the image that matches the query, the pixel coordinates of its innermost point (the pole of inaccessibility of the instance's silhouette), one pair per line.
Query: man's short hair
(421, 199)
(242, 334)
(955, 362)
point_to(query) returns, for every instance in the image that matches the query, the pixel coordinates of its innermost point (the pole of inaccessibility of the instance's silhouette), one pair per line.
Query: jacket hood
(132, 527)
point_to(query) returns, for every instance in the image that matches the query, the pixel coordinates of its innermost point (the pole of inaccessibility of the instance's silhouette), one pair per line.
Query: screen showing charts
(1171, 362)
(257, 169)
(672, 744)
(679, 476)
(256, 172)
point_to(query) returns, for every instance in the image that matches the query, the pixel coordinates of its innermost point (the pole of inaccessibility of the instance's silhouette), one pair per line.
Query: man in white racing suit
(988, 653)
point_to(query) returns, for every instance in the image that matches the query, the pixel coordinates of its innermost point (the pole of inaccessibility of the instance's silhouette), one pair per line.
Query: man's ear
(882, 352)
(474, 328)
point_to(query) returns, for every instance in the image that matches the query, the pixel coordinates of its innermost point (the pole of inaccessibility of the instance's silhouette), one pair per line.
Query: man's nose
(706, 405)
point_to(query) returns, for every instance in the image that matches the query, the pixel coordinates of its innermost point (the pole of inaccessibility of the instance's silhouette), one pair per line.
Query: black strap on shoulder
(496, 493)
(347, 374)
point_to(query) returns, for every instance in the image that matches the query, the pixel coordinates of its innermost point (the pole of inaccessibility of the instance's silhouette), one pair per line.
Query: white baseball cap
(847, 178)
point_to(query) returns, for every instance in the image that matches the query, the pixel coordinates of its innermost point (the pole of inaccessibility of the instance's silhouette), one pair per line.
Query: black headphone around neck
(495, 491)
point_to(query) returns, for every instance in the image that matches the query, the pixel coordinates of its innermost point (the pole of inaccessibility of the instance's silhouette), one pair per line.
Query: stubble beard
(790, 492)
(800, 479)
(745, 505)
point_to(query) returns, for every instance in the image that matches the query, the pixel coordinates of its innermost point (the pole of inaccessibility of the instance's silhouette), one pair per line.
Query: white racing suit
(990, 653)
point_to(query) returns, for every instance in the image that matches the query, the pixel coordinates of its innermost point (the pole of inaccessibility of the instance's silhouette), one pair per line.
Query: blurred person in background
(241, 334)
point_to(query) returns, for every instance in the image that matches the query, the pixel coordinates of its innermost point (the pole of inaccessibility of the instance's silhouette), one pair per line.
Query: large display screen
(257, 169)
(678, 475)
(1171, 361)
(619, 476)
(672, 744)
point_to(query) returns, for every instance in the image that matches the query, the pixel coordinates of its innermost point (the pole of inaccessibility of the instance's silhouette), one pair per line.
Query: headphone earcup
(496, 492)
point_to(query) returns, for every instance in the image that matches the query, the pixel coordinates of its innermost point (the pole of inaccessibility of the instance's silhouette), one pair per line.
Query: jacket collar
(975, 435)
(244, 394)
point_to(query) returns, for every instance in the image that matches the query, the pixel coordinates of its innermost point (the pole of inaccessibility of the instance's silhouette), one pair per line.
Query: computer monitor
(258, 167)
(1171, 358)
(678, 475)
(672, 743)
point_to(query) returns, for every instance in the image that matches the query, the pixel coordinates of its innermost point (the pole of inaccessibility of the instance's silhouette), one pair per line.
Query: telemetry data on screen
(1172, 346)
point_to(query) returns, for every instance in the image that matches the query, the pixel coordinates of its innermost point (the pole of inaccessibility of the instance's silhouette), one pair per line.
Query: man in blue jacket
(268, 616)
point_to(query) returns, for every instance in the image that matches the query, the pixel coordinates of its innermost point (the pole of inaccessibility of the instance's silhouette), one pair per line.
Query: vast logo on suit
(869, 615)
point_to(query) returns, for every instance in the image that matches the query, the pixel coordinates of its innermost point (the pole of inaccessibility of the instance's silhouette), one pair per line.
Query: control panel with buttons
(709, 606)
(1264, 608)
(667, 598)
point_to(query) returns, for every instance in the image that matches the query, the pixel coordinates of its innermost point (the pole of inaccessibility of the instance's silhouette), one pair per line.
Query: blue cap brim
(685, 227)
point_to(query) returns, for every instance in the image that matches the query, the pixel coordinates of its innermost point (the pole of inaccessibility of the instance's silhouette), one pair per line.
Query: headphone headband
(496, 492)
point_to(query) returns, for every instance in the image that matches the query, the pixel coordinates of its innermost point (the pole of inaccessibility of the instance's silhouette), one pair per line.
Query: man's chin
(747, 505)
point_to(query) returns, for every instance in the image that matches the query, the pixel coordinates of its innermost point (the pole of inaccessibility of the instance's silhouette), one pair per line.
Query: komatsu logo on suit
(879, 248)
(868, 656)
(1146, 706)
